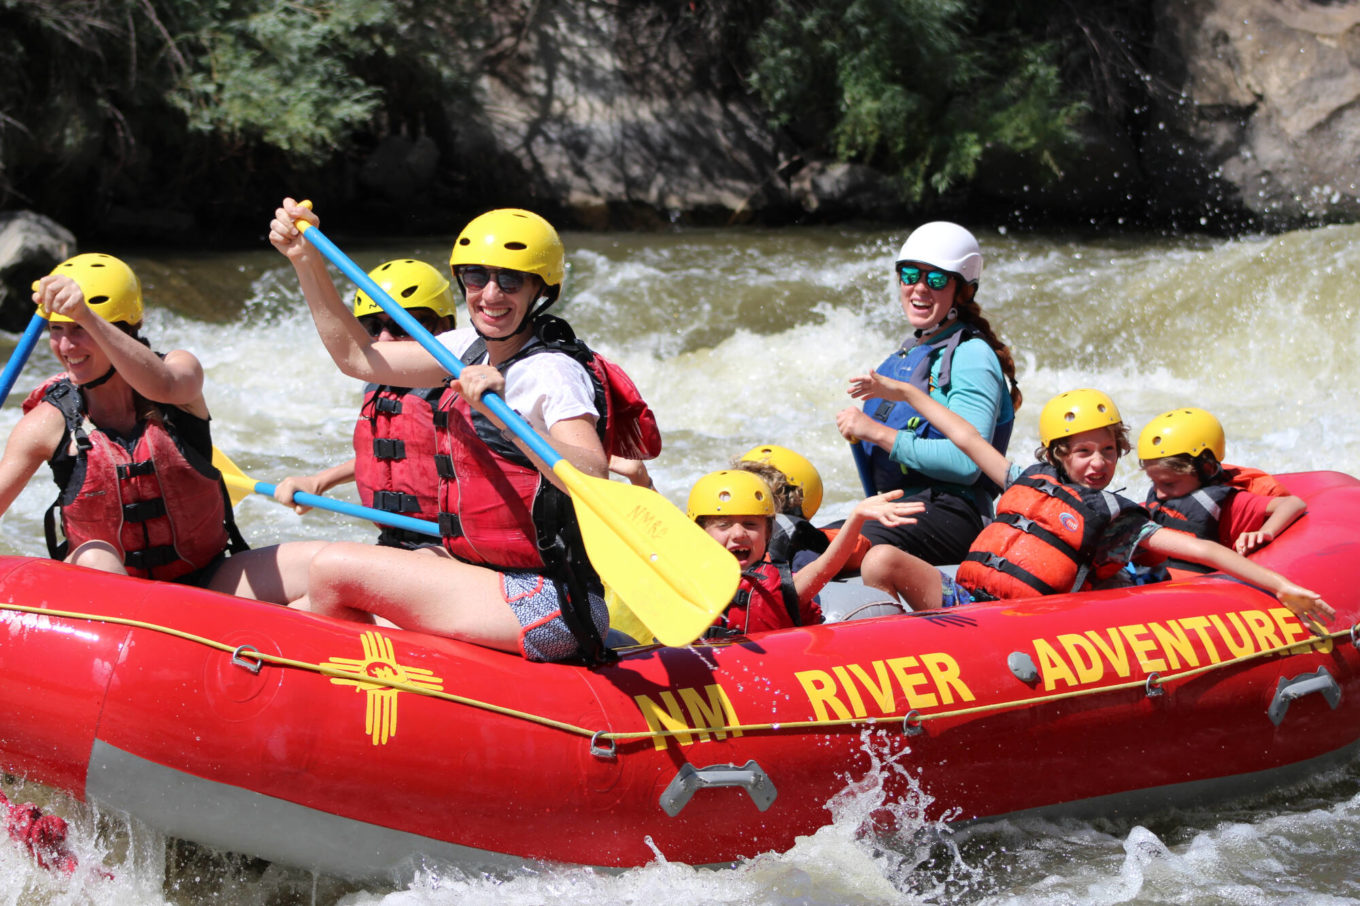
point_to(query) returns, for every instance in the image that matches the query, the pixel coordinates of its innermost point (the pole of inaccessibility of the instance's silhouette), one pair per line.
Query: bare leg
(276, 574)
(910, 579)
(424, 589)
(98, 555)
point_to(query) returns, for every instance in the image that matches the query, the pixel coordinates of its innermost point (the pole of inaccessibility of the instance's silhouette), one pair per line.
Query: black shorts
(201, 577)
(940, 536)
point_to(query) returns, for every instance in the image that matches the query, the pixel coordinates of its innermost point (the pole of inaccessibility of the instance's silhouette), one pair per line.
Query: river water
(739, 337)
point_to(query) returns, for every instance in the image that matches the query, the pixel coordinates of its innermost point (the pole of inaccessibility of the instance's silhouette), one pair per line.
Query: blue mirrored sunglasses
(934, 279)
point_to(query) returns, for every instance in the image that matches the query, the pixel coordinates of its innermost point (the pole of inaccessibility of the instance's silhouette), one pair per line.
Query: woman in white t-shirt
(511, 573)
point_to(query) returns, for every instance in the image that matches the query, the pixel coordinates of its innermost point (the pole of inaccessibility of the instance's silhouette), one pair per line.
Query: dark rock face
(30, 246)
(601, 111)
(1265, 116)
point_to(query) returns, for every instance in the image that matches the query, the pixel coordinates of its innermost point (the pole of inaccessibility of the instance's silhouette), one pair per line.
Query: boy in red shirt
(1193, 491)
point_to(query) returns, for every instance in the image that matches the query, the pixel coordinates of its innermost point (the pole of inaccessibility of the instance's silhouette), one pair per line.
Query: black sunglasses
(477, 277)
(934, 279)
(374, 324)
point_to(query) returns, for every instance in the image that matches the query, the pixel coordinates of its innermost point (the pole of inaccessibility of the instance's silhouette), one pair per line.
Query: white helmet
(947, 246)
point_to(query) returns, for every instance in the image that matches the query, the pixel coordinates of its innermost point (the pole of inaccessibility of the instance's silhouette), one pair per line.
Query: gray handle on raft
(689, 779)
(1291, 690)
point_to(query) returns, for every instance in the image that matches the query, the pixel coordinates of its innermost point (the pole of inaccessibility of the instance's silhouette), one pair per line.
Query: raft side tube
(50, 711)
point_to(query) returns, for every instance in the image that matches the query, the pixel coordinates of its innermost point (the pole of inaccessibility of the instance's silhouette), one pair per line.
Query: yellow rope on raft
(329, 670)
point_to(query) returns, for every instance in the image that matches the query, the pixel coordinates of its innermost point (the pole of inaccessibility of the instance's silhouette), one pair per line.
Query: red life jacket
(495, 508)
(1043, 540)
(766, 599)
(394, 451)
(162, 504)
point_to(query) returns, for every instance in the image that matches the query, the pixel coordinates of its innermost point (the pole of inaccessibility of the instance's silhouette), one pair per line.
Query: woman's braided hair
(970, 313)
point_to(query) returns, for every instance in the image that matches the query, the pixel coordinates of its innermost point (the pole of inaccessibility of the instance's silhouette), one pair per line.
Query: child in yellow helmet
(737, 508)
(394, 437)
(1058, 529)
(797, 487)
(1194, 491)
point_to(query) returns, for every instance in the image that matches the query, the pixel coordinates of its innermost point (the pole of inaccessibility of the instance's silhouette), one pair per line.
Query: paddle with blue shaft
(240, 485)
(19, 357)
(663, 566)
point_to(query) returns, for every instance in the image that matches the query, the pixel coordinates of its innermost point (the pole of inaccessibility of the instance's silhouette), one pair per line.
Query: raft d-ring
(603, 748)
(1153, 686)
(1355, 634)
(911, 723)
(239, 658)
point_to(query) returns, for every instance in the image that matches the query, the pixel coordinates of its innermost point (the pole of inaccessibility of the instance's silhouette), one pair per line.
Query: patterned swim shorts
(537, 604)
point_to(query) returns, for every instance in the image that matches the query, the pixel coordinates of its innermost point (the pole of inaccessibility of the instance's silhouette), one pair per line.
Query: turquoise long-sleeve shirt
(978, 393)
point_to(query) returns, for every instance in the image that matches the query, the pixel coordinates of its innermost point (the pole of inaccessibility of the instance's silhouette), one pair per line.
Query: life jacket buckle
(450, 526)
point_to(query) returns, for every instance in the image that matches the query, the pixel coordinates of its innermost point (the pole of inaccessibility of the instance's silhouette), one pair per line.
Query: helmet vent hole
(516, 246)
(1157, 441)
(99, 300)
(409, 291)
(724, 496)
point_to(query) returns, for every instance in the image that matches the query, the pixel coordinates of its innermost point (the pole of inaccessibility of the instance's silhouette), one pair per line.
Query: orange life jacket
(1245, 478)
(1043, 540)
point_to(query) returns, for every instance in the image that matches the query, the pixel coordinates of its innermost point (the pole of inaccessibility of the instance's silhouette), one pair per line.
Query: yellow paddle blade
(239, 484)
(622, 618)
(664, 567)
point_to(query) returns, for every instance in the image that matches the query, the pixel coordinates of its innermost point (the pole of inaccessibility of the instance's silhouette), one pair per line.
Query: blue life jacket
(911, 364)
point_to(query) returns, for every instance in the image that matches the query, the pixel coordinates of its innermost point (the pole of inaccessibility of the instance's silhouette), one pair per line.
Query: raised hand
(873, 384)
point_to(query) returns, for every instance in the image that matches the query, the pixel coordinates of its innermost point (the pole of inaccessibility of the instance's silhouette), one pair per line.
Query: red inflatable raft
(354, 749)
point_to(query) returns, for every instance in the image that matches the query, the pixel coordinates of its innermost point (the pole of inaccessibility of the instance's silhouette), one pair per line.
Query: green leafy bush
(280, 74)
(925, 89)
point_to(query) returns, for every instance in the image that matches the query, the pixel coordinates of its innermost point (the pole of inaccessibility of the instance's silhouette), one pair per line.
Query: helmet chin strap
(526, 324)
(90, 385)
(949, 316)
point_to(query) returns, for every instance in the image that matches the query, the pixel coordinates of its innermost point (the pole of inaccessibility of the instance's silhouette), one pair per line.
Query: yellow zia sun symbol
(379, 661)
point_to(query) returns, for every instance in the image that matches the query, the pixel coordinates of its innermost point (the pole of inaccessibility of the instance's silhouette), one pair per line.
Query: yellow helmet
(515, 240)
(1189, 431)
(798, 471)
(730, 492)
(1074, 412)
(414, 284)
(110, 287)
